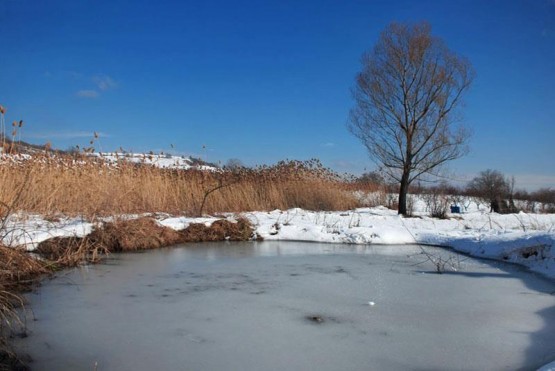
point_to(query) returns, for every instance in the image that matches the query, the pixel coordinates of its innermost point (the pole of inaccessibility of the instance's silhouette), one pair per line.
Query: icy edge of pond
(525, 239)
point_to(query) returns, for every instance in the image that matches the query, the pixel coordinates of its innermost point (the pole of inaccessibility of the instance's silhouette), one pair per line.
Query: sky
(263, 81)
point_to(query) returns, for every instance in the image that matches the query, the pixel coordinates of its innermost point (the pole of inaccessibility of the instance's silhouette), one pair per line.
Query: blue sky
(264, 81)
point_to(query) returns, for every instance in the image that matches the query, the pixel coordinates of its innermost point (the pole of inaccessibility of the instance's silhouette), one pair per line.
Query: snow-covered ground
(526, 239)
(165, 161)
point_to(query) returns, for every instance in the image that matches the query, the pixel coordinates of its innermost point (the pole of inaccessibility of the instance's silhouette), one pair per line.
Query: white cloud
(329, 145)
(87, 94)
(104, 82)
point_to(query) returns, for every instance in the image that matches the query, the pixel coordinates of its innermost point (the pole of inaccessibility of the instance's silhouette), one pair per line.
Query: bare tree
(490, 185)
(234, 164)
(405, 100)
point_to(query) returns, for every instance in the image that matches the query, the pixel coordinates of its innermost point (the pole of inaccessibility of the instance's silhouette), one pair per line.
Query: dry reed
(91, 187)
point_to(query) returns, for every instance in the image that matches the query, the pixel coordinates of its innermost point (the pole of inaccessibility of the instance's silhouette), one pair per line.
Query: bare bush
(437, 204)
(491, 186)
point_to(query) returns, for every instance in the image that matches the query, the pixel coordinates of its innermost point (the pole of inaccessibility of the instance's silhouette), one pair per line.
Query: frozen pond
(290, 306)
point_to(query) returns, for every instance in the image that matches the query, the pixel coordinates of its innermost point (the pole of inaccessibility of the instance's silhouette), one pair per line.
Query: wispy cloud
(90, 94)
(101, 83)
(67, 135)
(104, 82)
(328, 145)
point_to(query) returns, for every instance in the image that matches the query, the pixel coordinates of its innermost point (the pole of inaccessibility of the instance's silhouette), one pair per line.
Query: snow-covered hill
(165, 161)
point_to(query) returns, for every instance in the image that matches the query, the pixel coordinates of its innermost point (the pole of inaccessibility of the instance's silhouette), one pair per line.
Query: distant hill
(23, 147)
(159, 160)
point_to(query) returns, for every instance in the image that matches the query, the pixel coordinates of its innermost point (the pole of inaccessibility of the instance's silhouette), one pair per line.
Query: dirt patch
(537, 251)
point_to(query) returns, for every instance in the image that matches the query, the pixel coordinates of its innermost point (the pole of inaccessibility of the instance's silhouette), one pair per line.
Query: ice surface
(526, 239)
(291, 306)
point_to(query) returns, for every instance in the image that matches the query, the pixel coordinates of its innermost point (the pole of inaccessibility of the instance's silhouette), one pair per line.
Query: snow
(30, 230)
(519, 238)
(525, 239)
(165, 161)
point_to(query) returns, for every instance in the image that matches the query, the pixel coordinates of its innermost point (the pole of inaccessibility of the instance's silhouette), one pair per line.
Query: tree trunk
(403, 190)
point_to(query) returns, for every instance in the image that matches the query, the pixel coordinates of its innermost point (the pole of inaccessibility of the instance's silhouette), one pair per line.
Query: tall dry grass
(86, 186)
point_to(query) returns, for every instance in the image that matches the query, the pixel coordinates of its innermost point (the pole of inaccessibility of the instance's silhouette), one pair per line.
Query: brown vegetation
(18, 272)
(220, 230)
(133, 235)
(137, 234)
(91, 187)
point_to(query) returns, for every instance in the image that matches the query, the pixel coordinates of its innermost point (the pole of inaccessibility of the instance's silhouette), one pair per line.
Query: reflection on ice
(295, 306)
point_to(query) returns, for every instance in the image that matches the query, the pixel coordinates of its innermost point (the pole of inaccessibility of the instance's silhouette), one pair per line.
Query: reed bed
(69, 185)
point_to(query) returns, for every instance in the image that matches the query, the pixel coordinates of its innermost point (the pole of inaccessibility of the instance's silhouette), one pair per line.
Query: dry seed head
(20, 123)
(2, 110)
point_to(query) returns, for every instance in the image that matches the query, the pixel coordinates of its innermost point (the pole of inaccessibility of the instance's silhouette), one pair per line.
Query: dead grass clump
(19, 270)
(136, 234)
(70, 251)
(220, 230)
(133, 235)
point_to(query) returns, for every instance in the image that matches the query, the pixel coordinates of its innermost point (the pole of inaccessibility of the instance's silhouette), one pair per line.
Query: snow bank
(525, 239)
